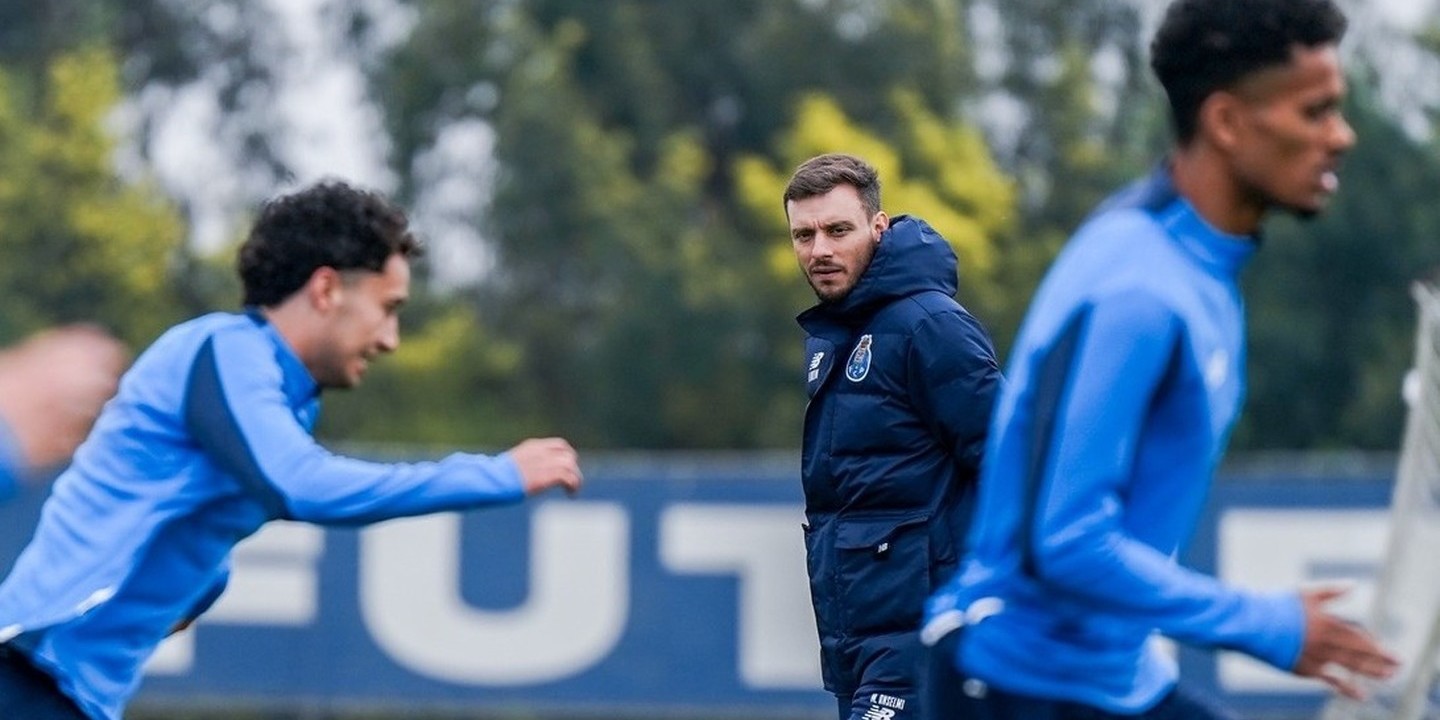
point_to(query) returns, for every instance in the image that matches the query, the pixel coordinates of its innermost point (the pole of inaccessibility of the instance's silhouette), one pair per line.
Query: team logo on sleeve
(815, 366)
(859, 364)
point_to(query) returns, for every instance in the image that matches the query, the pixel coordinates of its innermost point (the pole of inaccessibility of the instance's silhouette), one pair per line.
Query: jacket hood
(911, 258)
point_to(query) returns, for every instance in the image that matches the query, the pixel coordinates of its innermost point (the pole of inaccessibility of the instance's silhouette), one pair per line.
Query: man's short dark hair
(329, 224)
(823, 173)
(1204, 46)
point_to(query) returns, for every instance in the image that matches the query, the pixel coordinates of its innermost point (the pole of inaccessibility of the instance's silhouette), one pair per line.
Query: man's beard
(837, 297)
(861, 266)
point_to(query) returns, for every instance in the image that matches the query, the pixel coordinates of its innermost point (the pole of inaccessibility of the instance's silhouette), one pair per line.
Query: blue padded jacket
(901, 382)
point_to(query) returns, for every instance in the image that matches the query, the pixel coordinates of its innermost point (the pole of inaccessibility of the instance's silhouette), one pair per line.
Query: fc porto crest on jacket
(859, 364)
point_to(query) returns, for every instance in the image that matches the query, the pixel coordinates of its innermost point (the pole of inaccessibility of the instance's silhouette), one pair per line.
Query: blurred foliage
(628, 298)
(76, 241)
(229, 46)
(642, 292)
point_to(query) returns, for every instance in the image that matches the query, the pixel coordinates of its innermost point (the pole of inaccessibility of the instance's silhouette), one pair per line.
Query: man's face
(834, 239)
(364, 323)
(1290, 133)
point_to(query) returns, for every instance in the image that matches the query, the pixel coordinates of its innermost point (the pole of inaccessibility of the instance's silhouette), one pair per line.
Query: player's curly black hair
(1207, 45)
(329, 224)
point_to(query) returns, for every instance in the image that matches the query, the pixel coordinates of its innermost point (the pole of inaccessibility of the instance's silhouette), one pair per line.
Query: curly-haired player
(209, 439)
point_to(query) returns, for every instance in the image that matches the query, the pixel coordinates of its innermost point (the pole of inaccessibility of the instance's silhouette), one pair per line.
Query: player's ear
(1220, 119)
(879, 224)
(323, 288)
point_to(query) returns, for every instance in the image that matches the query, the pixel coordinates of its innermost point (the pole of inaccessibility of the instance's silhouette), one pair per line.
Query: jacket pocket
(826, 621)
(883, 571)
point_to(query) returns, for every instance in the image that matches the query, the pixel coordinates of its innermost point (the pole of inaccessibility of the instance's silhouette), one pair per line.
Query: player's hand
(546, 463)
(1338, 651)
(53, 385)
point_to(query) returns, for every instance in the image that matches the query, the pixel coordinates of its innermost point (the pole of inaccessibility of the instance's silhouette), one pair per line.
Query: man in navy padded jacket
(209, 438)
(901, 381)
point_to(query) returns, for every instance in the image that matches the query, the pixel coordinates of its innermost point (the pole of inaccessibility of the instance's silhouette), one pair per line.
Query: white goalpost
(1405, 615)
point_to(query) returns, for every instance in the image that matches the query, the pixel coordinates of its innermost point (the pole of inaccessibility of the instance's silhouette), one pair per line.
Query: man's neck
(1201, 177)
(292, 324)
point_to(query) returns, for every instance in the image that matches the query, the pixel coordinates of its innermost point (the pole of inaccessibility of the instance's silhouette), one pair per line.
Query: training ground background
(673, 587)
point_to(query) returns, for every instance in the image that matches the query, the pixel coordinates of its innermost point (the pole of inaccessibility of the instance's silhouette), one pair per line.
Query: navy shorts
(26, 692)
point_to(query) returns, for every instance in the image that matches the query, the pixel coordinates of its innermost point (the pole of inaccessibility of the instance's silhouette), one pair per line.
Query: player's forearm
(334, 490)
(300, 480)
(1130, 579)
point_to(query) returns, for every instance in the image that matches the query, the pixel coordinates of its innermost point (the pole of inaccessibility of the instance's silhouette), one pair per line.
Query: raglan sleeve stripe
(239, 416)
(1121, 357)
(212, 422)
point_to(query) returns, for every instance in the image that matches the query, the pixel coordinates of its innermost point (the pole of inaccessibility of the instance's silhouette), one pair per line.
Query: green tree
(76, 241)
(637, 260)
(629, 300)
(642, 302)
(725, 70)
(228, 46)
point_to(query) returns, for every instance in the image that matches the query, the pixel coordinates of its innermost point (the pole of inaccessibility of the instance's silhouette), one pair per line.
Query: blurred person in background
(209, 438)
(1125, 381)
(52, 386)
(901, 381)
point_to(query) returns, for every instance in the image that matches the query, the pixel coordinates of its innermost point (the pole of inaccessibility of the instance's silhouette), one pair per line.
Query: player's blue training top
(208, 438)
(1123, 385)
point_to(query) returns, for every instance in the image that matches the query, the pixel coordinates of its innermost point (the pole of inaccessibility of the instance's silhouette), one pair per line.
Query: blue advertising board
(673, 586)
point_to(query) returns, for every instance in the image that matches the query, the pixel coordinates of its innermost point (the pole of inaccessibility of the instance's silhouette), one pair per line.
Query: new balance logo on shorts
(883, 707)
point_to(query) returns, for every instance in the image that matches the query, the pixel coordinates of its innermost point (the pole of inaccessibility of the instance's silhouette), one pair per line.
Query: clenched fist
(546, 463)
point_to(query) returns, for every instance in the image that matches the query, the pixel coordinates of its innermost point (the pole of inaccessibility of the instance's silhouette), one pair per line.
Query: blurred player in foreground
(52, 386)
(209, 439)
(1124, 383)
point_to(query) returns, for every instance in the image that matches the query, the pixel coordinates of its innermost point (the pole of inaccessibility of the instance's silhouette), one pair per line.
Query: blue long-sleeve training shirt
(1123, 386)
(207, 439)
